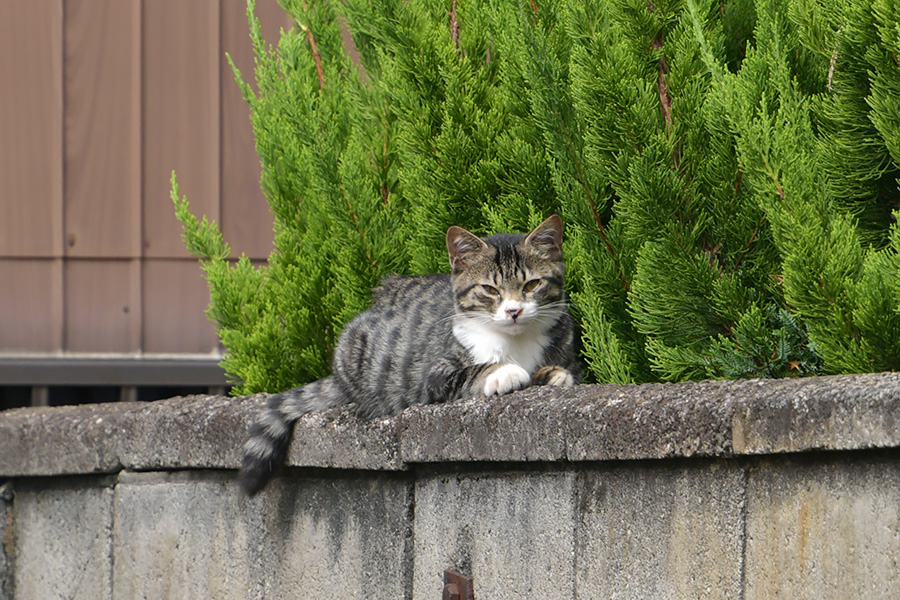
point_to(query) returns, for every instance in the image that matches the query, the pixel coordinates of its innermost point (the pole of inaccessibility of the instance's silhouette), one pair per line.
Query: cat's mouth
(512, 324)
(511, 313)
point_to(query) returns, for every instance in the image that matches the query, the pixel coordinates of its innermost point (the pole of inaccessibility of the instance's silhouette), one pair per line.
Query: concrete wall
(751, 489)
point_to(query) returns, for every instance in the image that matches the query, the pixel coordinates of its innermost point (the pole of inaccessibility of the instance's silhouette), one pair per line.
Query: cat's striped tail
(270, 436)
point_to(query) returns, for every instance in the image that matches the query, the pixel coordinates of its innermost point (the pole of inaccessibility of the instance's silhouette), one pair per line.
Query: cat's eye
(489, 289)
(531, 285)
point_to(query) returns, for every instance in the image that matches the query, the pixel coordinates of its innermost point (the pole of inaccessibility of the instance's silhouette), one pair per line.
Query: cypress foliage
(842, 287)
(726, 170)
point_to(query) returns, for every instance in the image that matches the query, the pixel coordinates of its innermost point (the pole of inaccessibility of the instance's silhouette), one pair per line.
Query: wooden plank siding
(181, 130)
(99, 101)
(31, 129)
(102, 133)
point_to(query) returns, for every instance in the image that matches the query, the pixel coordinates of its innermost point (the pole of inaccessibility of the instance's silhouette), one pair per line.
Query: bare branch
(316, 57)
(834, 56)
(665, 101)
(454, 25)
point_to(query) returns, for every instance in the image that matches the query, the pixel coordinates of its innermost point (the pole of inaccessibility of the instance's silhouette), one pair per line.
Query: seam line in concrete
(745, 492)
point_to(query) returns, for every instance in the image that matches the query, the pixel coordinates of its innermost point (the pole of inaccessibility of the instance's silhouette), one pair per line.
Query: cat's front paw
(505, 379)
(553, 375)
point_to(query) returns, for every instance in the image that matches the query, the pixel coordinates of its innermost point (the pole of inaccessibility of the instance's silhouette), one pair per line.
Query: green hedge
(726, 171)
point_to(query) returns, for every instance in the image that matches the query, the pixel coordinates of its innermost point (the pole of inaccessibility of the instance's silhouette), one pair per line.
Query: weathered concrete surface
(584, 423)
(660, 530)
(195, 535)
(63, 539)
(710, 418)
(205, 432)
(196, 432)
(338, 439)
(513, 532)
(846, 412)
(62, 440)
(824, 529)
(652, 421)
(749, 489)
(524, 426)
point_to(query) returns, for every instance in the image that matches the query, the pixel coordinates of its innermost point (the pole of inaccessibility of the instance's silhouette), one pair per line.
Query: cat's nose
(513, 313)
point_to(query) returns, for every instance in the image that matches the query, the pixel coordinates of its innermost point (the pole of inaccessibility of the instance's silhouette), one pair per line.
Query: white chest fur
(487, 345)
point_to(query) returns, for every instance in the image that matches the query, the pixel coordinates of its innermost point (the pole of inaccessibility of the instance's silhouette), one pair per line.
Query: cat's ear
(462, 246)
(547, 238)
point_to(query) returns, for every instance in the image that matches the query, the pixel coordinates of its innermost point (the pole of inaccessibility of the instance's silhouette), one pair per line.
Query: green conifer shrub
(726, 171)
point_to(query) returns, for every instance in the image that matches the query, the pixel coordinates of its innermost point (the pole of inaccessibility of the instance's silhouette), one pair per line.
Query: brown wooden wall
(99, 101)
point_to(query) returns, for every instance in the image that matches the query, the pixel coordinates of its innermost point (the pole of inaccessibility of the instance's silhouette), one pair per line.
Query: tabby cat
(497, 323)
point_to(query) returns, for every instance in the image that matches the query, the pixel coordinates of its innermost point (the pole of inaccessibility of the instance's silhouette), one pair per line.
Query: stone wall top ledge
(584, 423)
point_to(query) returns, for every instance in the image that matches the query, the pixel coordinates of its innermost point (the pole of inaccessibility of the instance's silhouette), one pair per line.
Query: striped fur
(498, 323)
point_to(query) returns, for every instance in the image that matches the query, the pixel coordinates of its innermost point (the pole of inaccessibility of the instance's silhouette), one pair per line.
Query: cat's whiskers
(476, 317)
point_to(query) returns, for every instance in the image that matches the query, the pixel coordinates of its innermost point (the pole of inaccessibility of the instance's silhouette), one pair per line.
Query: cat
(498, 323)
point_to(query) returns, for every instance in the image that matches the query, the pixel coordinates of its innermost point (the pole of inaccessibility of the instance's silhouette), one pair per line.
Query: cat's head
(509, 281)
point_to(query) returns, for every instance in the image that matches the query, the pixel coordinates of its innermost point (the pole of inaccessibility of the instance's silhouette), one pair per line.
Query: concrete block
(203, 431)
(660, 530)
(841, 412)
(209, 432)
(826, 529)
(523, 426)
(707, 418)
(61, 440)
(337, 536)
(191, 432)
(195, 536)
(651, 421)
(63, 539)
(339, 439)
(513, 532)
